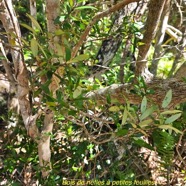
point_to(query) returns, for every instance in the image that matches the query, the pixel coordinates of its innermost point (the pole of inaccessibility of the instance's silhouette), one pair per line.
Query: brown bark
(160, 37)
(33, 10)
(181, 72)
(44, 144)
(11, 25)
(122, 94)
(153, 17)
(52, 12)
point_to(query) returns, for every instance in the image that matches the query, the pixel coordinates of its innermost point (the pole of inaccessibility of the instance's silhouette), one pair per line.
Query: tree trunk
(52, 12)
(153, 18)
(160, 37)
(11, 25)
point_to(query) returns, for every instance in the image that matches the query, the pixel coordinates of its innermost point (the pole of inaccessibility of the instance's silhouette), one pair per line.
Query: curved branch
(95, 19)
(123, 93)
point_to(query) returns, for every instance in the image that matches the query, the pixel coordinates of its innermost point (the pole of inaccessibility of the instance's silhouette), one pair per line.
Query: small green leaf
(59, 96)
(28, 27)
(145, 123)
(142, 143)
(171, 112)
(77, 92)
(71, 2)
(167, 99)
(134, 125)
(79, 58)
(147, 113)
(34, 47)
(69, 130)
(114, 109)
(172, 118)
(51, 104)
(39, 46)
(131, 116)
(43, 51)
(35, 23)
(45, 87)
(166, 127)
(68, 53)
(141, 43)
(59, 32)
(75, 168)
(124, 118)
(85, 7)
(143, 104)
(121, 132)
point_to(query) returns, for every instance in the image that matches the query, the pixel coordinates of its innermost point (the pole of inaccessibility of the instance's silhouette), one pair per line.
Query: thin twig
(6, 65)
(177, 148)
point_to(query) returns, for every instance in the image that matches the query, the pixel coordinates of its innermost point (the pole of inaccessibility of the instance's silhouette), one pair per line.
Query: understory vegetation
(88, 99)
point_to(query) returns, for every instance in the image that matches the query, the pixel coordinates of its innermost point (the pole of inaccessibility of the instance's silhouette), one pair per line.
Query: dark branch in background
(7, 67)
(107, 51)
(124, 59)
(83, 37)
(110, 45)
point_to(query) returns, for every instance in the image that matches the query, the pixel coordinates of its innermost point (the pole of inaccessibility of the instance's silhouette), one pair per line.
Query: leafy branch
(115, 8)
